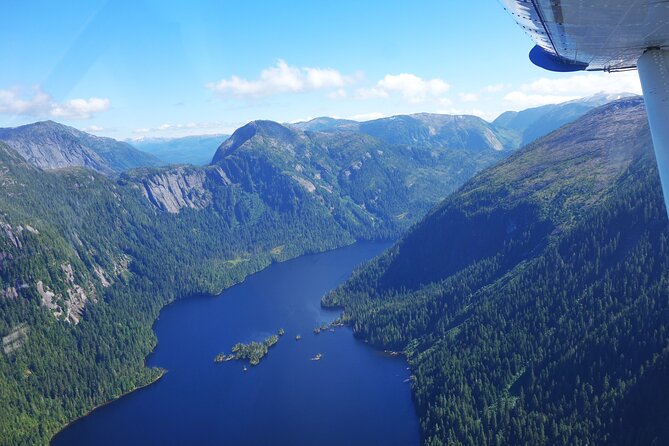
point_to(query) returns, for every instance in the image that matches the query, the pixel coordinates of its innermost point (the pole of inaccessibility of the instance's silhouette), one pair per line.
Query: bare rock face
(15, 339)
(100, 274)
(49, 145)
(71, 307)
(48, 298)
(12, 234)
(9, 293)
(181, 187)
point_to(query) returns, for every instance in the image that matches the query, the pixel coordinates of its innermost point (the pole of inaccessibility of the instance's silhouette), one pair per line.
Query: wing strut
(653, 68)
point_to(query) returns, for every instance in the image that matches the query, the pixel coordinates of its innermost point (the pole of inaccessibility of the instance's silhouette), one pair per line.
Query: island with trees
(253, 351)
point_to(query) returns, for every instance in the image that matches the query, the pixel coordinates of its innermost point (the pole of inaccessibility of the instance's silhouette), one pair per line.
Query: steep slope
(420, 130)
(525, 126)
(352, 173)
(428, 130)
(197, 150)
(86, 267)
(532, 303)
(50, 145)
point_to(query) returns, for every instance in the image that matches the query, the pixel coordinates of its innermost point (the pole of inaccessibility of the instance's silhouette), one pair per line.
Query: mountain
(434, 130)
(352, 173)
(427, 130)
(86, 267)
(525, 126)
(532, 303)
(49, 145)
(197, 150)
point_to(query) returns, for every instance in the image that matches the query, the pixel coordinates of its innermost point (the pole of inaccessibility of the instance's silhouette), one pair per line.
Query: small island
(253, 351)
(298, 337)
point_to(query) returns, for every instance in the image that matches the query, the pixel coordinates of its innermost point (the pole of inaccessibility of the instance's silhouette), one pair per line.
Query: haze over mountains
(197, 150)
(86, 267)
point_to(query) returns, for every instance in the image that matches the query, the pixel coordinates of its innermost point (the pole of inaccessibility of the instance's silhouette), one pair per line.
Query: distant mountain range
(50, 145)
(197, 150)
(525, 126)
(511, 130)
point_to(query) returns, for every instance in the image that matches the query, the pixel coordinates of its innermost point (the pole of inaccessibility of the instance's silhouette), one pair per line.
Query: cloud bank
(281, 78)
(40, 104)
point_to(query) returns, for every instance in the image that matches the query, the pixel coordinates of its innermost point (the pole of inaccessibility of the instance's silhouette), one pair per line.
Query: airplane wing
(607, 35)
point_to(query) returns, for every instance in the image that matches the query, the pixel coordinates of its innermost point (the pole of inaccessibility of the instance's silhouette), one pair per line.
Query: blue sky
(129, 69)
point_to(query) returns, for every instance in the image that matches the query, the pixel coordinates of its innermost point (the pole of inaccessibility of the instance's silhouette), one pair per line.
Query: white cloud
(587, 84)
(186, 129)
(281, 78)
(525, 100)
(338, 94)
(552, 91)
(494, 88)
(14, 101)
(94, 128)
(79, 108)
(469, 97)
(368, 116)
(411, 87)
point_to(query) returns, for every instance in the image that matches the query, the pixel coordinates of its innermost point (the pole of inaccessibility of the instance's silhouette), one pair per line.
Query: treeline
(567, 343)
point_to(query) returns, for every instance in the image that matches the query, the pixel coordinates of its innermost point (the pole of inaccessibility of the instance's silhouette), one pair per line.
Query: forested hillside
(86, 263)
(355, 174)
(90, 251)
(533, 303)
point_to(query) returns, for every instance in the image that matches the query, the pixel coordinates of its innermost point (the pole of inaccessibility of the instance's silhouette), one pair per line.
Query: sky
(159, 68)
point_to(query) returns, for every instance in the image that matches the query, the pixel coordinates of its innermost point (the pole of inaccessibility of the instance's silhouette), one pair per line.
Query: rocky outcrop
(9, 293)
(49, 145)
(70, 308)
(76, 296)
(11, 234)
(179, 187)
(15, 339)
(48, 298)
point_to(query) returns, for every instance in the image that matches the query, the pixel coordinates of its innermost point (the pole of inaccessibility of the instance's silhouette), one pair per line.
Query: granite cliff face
(49, 145)
(172, 189)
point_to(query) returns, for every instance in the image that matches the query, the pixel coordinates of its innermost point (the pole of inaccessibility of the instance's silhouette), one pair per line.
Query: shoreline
(106, 403)
(209, 295)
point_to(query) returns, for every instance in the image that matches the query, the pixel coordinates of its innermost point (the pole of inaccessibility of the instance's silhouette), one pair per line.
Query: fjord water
(354, 395)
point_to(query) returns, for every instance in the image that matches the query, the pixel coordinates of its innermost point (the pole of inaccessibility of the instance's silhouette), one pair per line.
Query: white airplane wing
(607, 35)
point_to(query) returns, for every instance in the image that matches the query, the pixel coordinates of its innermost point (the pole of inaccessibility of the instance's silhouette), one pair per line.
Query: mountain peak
(51, 145)
(264, 132)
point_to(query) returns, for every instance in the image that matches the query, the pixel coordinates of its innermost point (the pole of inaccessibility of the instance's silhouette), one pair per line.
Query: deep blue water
(355, 395)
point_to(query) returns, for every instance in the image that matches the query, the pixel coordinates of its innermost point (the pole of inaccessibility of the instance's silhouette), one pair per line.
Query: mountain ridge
(527, 302)
(50, 145)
